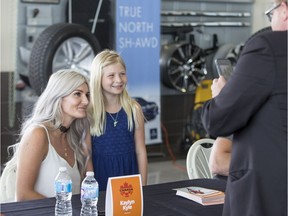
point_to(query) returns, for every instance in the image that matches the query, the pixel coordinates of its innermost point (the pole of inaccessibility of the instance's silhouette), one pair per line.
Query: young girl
(117, 126)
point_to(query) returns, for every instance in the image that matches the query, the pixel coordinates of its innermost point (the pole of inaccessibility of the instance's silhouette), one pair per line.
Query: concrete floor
(166, 171)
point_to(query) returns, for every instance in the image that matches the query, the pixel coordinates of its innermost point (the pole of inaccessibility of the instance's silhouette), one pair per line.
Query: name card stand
(124, 196)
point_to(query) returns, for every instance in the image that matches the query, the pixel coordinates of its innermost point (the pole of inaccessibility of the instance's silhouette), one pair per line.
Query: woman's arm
(219, 161)
(140, 146)
(32, 151)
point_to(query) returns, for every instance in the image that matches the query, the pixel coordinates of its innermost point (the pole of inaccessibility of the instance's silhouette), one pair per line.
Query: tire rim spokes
(186, 68)
(74, 53)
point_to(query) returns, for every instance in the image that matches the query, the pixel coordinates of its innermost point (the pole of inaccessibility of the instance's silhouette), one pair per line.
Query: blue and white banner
(138, 42)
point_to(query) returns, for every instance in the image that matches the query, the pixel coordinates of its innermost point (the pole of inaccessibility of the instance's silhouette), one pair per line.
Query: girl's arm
(33, 149)
(141, 152)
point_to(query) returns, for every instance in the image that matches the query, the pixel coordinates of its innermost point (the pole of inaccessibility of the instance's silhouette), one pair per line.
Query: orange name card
(124, 196)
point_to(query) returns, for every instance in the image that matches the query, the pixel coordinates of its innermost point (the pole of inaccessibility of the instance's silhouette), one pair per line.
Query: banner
(138, 42)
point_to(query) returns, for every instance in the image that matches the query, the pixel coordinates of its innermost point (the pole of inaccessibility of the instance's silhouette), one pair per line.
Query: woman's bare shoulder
(35, 134)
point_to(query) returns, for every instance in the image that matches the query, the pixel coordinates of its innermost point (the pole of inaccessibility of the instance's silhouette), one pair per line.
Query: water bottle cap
(62, 169)
(90, 173)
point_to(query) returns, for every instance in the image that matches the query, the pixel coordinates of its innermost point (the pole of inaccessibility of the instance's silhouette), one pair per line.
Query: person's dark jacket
(253, 107)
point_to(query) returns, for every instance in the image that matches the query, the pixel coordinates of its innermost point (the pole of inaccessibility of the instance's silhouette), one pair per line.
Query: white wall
(9, 18)
(8, 36)
(259, 18)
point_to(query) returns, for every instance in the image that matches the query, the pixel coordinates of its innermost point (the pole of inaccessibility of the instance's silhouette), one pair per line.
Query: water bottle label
(63, 187)
(89, 192)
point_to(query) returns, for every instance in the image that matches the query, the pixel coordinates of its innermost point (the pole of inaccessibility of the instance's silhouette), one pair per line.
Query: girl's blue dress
(113, 153)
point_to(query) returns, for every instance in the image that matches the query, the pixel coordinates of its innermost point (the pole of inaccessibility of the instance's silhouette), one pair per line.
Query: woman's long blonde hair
(48, 112)
(98, 111)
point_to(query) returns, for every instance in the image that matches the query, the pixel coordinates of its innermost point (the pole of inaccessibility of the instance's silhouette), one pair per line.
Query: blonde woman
(57, 134)
(117, 128)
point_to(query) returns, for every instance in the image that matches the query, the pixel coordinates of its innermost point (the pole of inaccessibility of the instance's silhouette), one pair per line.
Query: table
(159, 200)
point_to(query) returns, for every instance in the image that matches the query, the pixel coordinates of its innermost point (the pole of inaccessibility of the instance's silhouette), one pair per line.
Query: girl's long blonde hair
(98, 111)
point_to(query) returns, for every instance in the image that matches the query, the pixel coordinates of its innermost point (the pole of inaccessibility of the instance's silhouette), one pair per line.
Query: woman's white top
(49, 170)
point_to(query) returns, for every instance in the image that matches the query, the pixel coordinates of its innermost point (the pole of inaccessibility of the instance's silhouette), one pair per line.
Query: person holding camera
(252, 106)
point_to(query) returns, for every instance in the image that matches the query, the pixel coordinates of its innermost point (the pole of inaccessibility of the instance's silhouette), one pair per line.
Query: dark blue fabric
(113, 153)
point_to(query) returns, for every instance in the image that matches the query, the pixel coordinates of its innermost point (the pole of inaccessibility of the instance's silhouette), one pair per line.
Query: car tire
(61, 46)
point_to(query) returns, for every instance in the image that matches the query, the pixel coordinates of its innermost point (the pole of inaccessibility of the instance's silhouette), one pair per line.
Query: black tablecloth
(159, 200)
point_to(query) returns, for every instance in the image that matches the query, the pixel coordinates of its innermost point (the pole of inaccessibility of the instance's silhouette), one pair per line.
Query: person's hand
(217, 85)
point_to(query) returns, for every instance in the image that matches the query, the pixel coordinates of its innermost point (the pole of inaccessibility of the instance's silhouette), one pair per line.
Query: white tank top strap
(46, 131)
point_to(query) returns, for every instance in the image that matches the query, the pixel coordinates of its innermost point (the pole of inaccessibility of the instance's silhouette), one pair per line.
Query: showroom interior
(208, 29)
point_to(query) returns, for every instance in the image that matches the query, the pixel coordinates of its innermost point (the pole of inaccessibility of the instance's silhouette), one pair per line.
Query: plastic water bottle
(63, 188)
(89, 195)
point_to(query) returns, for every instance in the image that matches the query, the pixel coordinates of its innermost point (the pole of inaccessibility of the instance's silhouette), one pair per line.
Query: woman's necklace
(65, 147)
(114, 119)
(65, 152)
